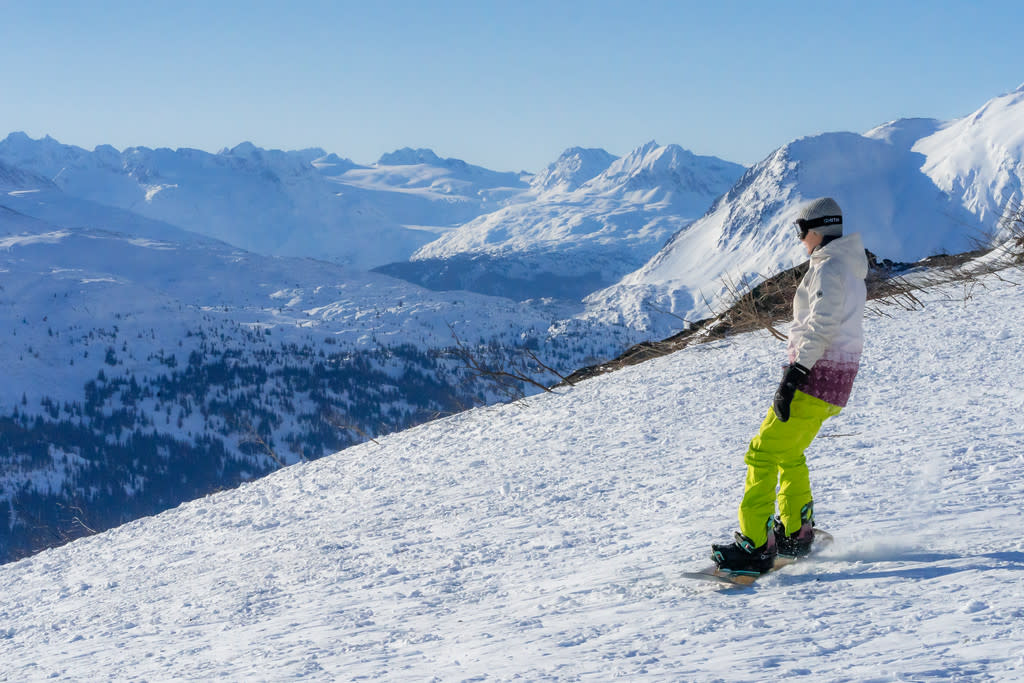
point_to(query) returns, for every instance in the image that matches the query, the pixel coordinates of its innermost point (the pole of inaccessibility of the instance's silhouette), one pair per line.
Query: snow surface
(543, 540)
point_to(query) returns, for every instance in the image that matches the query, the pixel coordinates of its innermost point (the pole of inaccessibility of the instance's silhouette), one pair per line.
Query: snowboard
(822, 539)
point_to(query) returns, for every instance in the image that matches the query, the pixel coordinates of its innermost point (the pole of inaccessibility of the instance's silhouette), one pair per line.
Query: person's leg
(779, 447)
(807, 413)
(758, 504)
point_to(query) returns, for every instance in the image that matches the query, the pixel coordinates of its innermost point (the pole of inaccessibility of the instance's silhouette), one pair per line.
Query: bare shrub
(254, 438)
(761, 306)
(1013, 224)
(337, 421)
(891, 292)
(508, 369)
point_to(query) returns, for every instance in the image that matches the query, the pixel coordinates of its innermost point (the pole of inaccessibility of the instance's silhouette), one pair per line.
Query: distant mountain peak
(903, 133)
(243, 149)
(647, 148)
(407, 156)
(572, 169)
(651, 155)
(980, 158)
(20, 141)
(333, 165)
(17, 137)
(667, 172)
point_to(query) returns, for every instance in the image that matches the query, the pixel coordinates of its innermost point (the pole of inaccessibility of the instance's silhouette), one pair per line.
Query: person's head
(818, 220)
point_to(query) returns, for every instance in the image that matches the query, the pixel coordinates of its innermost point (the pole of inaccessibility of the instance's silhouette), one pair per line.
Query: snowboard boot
(741, 557)
(798, 543)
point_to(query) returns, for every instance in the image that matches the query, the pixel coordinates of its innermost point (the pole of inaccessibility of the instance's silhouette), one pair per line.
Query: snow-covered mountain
(13, 179)
(572, 169)
(979, 159)
(543, 540)
(912, 188)
(301, 203)
(592, 219)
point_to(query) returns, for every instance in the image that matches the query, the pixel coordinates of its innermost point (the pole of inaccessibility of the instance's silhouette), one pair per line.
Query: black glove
(793, 378)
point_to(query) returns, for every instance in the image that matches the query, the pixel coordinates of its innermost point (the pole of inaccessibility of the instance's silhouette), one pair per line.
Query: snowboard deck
(822, 539)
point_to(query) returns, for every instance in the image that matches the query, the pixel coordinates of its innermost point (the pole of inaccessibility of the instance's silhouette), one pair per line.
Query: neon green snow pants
(776, 458)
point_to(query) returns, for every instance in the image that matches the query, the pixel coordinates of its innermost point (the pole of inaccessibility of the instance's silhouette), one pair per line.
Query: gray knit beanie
(822, 216)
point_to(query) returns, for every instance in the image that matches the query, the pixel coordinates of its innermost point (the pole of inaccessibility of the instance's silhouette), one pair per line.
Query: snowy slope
(913, 188)
(145, 364)
(590, 220)
(543, 540)
(160, 272)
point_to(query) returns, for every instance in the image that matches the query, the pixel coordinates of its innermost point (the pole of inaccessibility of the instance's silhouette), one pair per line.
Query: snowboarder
(824, 347)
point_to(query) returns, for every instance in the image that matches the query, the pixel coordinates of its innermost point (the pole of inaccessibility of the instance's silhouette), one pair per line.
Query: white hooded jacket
(827, 334)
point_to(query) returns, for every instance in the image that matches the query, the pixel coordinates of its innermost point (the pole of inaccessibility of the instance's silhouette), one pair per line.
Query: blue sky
(507, 85)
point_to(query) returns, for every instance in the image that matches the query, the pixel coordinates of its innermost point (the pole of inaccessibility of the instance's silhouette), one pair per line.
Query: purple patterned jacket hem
(832, 381)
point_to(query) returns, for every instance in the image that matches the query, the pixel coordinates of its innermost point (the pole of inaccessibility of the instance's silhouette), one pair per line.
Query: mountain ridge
(588, 225)
(296, 203)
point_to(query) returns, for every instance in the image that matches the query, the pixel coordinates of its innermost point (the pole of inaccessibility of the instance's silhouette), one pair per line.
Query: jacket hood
(849, 249)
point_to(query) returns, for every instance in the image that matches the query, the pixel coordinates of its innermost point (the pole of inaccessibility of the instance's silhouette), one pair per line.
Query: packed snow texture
(544, 539)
